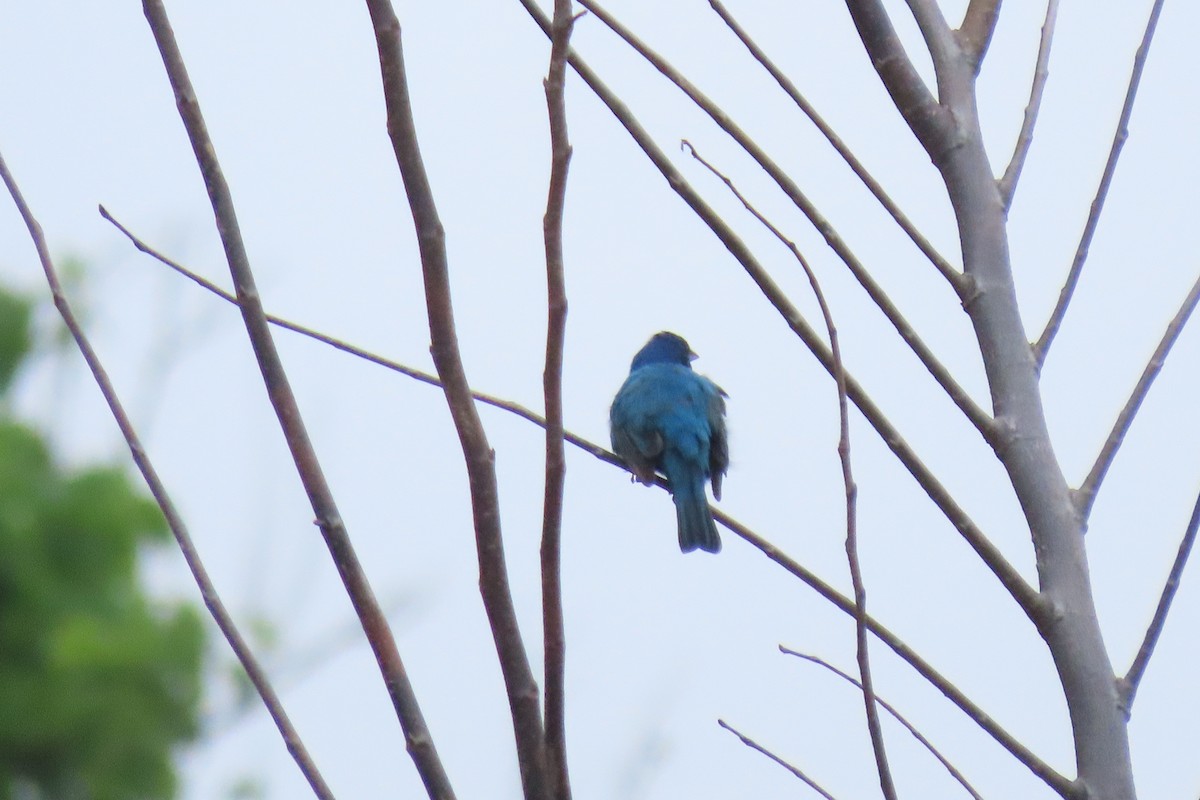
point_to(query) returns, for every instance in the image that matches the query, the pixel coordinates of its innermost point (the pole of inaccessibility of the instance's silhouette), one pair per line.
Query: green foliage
(97, 682)
(14, 334)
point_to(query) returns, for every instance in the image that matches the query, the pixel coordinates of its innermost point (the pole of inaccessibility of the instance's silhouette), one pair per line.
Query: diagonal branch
(977, 416)
(887, 785)
(1086, 496)
(519, 682)
(1110, 167)
(554, 635)
(328, 518)
(1040, 768)
(1041, 71)
(809, 578)
(1129, 684)
(954, 772)
(753, 745)
(1026, 597)
(208, 591)
(939, 39)
(949, 272)
(978, 25)
(930, 122)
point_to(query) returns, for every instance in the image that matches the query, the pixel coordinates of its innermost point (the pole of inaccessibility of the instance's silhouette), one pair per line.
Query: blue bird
(670, 419)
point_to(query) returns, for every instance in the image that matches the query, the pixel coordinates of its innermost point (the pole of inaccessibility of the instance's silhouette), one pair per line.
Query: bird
(670, 419)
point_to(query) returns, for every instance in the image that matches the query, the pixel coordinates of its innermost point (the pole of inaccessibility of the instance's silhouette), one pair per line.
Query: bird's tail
(696, 526)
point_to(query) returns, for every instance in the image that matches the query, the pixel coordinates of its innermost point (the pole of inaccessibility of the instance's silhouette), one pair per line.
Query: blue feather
(667, 418)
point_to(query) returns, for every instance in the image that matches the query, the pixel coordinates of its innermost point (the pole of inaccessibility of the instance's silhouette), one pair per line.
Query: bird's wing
(718, 447)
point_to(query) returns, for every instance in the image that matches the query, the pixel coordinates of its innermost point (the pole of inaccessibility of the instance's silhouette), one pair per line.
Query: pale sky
(660, 645)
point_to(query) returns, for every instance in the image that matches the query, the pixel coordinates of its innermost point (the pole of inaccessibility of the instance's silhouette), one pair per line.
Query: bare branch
(929, 121)
(358, 352)
(1040, 768)
(1133, 678)
(554, 634)
(978, 25)
(954, 772)
(860, 593)
(328, 518)
(939, 39)
(753, 745)
(1089, 229)
(949, 272)
(977, 416)
(906, 653)
(519, 682)
(1012, 173)
(1086, 496)
(208, 591)
(1021, 591)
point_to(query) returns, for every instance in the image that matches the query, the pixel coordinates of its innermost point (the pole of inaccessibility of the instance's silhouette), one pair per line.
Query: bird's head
(664, 348)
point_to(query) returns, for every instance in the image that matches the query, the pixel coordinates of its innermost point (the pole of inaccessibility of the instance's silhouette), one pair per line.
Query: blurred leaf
(15, 336)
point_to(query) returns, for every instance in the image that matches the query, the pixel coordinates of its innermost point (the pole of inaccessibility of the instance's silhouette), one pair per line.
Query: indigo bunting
(668, 418)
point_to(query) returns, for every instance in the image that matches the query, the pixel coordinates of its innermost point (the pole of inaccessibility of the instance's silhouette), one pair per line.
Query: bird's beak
(692, 356)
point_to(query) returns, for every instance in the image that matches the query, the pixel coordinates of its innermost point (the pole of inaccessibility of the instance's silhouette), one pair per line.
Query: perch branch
(1133, 678)
(977, 416)
(1041, 71)
(208, 591)
(1086, 496)
(328, 518)
(523, 699)
(1026, 597)
(886, 783)
(949, 272)
(553, 632)
(753, 745)
(928, 745)
(809, 578)
(1042, 345)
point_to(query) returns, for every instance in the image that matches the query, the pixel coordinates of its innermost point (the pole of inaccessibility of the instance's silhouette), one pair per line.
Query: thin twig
(1023, 754)
(208, 592)
(520, 686)
(753, 745)
(954, 772)
(805, 576)
(978, 25)
(949, 272)
(1086, 496)
(1133, 678)
(553, 632)
(843, 449)
(977, 416)
(1027, 598)
(358, 352)
(328, 518)
(1041, 72)
(1042, 345)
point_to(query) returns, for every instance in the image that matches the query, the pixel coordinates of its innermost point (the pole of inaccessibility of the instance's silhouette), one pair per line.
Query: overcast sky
(659, 645)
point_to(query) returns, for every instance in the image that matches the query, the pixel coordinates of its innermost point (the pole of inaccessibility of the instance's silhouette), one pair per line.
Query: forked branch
(978, 25)
(329, 519)
(208, 591)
